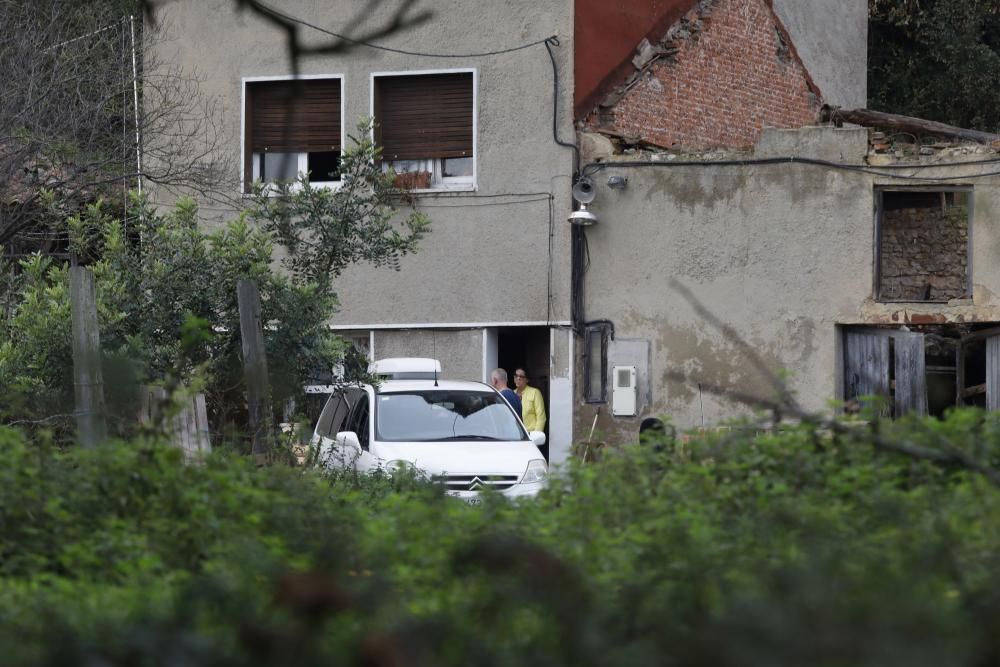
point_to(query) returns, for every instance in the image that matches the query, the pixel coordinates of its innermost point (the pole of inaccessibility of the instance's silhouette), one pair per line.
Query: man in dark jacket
(498, 378)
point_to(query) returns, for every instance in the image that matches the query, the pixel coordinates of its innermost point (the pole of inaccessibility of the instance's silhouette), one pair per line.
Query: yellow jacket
(532, 409)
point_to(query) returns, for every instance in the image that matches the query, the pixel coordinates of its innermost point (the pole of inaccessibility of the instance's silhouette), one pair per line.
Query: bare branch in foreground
(784, 404)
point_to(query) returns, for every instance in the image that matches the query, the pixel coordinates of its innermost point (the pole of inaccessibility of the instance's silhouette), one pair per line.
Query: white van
(464, 434)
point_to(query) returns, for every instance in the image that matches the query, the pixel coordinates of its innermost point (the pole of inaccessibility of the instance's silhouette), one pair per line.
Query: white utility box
(624, 392)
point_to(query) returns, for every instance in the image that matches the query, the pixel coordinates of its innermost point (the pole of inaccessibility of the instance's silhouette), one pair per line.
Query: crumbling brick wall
(924, 248)
(719, 76)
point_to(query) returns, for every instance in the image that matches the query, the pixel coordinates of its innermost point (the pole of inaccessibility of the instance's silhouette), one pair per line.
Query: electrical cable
(548, 286)
(294, 19)
(594, 167)
(487, 203)
(549, 43)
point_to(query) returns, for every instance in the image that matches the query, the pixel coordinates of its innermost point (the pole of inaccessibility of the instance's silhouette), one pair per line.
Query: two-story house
(469, 102)
(736, 238)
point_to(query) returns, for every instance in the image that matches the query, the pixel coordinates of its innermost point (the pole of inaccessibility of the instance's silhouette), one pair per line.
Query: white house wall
(832, 40)
(499, 254)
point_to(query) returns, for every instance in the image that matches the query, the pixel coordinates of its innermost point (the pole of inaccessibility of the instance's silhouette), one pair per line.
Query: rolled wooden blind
(424, 116)
(290, 116)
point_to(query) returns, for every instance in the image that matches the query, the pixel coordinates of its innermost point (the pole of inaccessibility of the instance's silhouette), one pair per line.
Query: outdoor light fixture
(583, 193)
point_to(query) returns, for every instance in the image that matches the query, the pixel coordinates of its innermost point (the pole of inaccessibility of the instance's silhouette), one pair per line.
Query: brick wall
(924, 251)
(726, 71)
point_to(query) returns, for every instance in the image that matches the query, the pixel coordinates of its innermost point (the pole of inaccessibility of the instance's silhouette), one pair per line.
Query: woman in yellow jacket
(532, 403)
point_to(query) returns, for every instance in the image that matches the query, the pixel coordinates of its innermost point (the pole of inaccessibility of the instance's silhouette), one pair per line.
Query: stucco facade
(831, 38)
(490, 282)
(782, 254)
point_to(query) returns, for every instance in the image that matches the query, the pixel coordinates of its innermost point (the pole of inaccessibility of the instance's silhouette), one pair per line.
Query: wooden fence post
(88, 381)
(255, 369)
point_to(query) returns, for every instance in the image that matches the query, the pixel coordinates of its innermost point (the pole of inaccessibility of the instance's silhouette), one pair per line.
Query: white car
(464, 434)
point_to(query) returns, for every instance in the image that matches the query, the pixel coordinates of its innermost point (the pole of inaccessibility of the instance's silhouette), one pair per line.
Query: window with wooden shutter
(425, 126)
(293, 127)
(922, 369)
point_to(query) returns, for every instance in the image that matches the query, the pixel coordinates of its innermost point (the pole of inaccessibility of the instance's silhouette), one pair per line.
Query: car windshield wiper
(469, 437)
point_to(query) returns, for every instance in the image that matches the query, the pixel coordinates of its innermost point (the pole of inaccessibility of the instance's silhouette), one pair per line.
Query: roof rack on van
(406, 368)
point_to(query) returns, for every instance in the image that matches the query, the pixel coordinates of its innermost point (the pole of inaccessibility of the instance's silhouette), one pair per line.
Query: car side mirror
(537, 437)
(349, 443)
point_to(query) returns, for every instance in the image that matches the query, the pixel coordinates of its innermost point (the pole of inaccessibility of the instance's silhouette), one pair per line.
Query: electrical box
(624, 391)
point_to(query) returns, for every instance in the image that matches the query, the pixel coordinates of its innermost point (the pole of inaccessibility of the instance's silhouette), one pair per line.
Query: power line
(595, 167)
(77, 39)
(294, 19)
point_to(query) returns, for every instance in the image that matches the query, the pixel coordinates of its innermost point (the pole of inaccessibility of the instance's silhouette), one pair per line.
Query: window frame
(589, 395)
(302, 156)
(879, 210)
(439, 183)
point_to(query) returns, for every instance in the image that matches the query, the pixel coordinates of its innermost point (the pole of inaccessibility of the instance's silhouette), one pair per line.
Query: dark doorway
(527, 348)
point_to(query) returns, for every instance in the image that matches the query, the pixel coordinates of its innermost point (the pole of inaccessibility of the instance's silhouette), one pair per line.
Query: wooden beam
(891, 121)
(88, 380)
(974, 390)
(255, 369)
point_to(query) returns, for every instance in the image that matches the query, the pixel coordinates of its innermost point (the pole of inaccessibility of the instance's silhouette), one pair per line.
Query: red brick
(721, 89)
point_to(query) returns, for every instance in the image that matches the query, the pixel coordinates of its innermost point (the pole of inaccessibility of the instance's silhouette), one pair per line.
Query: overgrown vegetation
(167, 304)
(936, 59)
(788, 549)
(168, 315)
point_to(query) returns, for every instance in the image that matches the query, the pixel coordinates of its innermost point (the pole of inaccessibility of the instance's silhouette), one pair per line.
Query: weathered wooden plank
(960, 373)
(911, 374)
(867, 366)
(993, 373)
(183, 431)
(974, 390)
(88, 380)
(869, 118)
(980, 334)
(201, 419)
(255, 369)
(145, 406)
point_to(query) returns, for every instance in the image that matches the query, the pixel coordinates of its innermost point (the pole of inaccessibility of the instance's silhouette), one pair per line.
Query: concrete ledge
(847, 145)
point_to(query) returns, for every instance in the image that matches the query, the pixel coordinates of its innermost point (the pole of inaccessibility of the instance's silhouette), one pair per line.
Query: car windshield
(440, 415)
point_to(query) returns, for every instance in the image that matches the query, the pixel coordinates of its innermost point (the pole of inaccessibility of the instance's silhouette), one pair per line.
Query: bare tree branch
(784, 404)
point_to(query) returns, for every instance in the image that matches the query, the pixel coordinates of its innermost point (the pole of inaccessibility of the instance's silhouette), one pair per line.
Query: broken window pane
(923, 245)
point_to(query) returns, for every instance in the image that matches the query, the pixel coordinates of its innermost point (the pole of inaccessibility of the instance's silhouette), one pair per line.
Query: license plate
(474, 501)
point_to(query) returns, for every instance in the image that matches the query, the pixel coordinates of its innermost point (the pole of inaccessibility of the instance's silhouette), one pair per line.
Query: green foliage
(936, 59)
(168, 314)
(327, 229)
(801, 547)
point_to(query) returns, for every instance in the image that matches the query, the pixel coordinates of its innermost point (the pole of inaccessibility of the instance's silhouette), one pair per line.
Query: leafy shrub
(800, 547)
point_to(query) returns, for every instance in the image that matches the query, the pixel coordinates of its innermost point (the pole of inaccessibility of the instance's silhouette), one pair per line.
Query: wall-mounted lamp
(583, 193)
(617, 182)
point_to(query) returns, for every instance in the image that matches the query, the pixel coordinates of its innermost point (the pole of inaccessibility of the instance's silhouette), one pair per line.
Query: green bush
(801, 547)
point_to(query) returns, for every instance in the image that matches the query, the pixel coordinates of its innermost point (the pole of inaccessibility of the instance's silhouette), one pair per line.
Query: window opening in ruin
(921, 369)
(923, 244)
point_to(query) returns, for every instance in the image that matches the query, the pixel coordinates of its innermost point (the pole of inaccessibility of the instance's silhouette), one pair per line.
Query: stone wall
(924, 250)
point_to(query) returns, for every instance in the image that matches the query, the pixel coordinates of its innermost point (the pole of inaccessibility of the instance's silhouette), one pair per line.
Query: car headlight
(536, 472)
